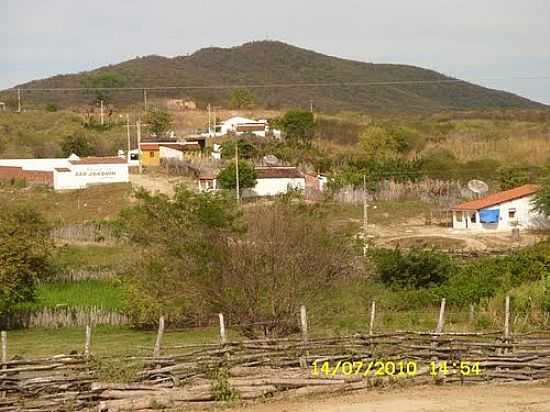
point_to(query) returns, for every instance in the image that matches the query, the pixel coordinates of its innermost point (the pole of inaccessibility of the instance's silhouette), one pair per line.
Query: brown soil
(486, 398)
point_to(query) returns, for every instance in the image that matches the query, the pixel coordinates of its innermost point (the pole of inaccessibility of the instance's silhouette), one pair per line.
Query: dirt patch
(439, 242)
(486, 398)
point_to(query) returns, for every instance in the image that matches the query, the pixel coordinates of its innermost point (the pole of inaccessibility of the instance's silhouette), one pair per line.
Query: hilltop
(272, 62)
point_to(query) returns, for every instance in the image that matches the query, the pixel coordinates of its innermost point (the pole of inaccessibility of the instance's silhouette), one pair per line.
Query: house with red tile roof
(499, 211)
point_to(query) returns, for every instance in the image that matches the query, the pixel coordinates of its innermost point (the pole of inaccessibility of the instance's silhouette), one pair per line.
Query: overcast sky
(469, 39)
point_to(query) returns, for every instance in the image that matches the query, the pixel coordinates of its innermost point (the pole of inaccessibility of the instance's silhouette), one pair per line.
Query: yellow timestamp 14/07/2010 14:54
(400, 368)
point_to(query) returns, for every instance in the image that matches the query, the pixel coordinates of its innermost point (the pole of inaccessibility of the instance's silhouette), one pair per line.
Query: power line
(276, 85)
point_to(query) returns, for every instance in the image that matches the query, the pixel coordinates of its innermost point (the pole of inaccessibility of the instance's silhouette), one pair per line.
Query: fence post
(4, 355)
(472, 317)
(223, 336)
(372, 317)
(303, 326)
(303, 322)
(158, 341)
(441, 321)
(507, 323)
(88, 342)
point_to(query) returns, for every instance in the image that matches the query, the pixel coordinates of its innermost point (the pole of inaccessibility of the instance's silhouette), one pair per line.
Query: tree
(159, 121)
(242, 99)
(78, 144)
(247, 176)
(513, 176)
(297, 125)
(414, 269)
(102, 81)
(542, 197)
(25, 249)
(202, 256)
(247, 150)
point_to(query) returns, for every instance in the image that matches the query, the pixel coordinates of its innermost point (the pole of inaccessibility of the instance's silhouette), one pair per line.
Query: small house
(499, 211)
(270, 181)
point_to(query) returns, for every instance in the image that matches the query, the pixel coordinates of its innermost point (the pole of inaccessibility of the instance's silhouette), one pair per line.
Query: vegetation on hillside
(271, 62)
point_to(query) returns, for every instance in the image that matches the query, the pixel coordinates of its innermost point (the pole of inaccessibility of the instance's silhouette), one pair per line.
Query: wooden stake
(88, 343)
(441, 321)
(223, 337)
(507, 320)
(158, 341)
(303, 322)
(472, 317)
(372, 317)
(101, 116)
(4, 356)
(4, 347)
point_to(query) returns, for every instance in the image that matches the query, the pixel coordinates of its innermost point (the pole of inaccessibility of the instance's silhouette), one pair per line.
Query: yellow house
(150, 154)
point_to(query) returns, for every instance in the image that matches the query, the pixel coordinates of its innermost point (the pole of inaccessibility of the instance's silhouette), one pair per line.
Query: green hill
(271, 62)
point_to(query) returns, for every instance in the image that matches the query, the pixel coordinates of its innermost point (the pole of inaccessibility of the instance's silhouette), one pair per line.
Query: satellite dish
(478, 186)
(271, 160)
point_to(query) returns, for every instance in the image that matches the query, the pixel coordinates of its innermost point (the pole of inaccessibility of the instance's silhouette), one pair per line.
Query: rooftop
(98, 160)
(281, 172)
(498, 198)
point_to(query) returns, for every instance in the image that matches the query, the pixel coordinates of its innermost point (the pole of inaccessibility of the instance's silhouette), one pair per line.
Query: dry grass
(534, 150)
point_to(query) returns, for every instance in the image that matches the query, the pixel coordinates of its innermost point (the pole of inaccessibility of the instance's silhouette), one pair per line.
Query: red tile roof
(99, 160)
(149, 146)
(498, 198)
(62, 169)
(278, 173)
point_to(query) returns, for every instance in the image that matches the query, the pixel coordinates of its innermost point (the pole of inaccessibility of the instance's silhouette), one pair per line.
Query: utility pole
(365, 217)
(145, 100)
(140, 154)
(128, 135)
(209, 121)
(237, 173)
(101, 112)
(18, 100)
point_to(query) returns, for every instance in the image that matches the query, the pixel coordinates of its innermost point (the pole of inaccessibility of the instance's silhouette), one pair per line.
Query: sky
(495, 43)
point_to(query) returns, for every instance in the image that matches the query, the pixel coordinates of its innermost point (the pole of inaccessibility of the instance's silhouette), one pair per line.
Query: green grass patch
(90, 256)
(106, 340)
(109, 295)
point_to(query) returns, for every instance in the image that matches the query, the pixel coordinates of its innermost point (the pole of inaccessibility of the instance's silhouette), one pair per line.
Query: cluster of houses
(496, 212)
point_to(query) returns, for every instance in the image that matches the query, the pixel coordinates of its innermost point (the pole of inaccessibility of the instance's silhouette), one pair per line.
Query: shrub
(416, 268)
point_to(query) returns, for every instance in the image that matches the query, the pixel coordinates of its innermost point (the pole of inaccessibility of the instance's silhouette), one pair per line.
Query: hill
(271, 62)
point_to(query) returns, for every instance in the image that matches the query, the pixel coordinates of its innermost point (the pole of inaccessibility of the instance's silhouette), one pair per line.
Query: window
(459, 217)
(511, 213)
(151, 154)
(473, 218)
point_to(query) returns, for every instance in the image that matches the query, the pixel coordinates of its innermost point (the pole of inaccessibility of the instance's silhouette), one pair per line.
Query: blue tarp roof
(489, 215)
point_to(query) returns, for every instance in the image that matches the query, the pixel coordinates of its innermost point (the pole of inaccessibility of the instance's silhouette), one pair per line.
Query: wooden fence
(86, 232)
(173, 376)
(62, 317)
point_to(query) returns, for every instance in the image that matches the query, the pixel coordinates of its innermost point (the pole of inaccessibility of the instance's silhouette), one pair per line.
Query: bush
(414, 269)
(50, 107)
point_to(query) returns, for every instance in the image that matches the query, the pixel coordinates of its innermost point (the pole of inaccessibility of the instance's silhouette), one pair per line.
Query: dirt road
(480, 398)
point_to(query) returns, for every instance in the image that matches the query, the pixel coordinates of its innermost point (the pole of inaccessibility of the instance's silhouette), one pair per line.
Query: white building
(242, 125)
(500, 211)
(270, 181)
(66, 174)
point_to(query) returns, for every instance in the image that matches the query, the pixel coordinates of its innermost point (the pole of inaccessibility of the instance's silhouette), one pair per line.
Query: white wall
(82, 176)
(169, 153)
(525, 217)
(272, 187)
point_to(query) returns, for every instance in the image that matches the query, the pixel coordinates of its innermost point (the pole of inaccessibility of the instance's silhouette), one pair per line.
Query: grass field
(79, 206)
(105, 341)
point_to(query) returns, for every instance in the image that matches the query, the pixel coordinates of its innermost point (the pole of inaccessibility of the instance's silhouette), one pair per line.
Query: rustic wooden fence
(173, 376)
(443, 192)
(86, 232)
(62, 317)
